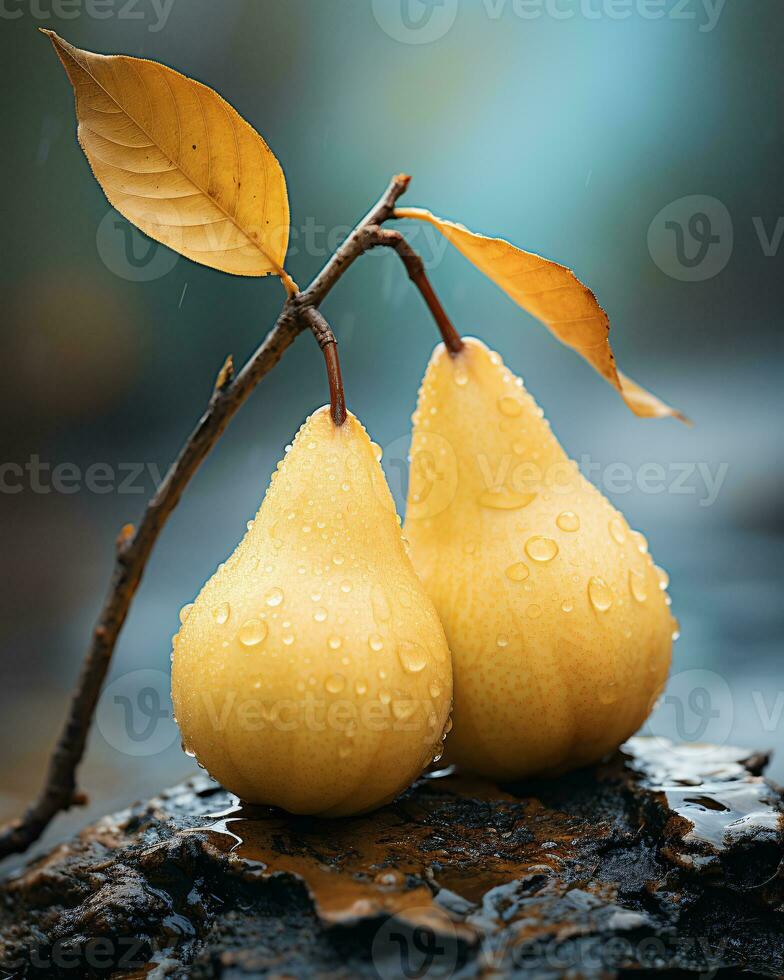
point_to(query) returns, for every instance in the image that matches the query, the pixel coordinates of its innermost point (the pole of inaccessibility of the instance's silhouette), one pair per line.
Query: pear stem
(415, 268)
(329, 346)
(337, 399)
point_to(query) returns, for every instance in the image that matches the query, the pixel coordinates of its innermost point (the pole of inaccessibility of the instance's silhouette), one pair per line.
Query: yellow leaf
(553, 294)
(179, 162)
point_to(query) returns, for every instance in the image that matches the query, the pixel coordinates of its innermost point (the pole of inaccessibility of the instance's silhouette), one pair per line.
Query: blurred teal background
(566, 127)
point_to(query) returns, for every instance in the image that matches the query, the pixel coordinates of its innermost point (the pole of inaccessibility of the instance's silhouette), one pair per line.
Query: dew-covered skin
(556, 616)
(312, 671)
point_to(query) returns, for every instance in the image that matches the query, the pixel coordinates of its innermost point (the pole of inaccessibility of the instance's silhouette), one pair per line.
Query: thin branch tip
(225, 375)
(125, 537)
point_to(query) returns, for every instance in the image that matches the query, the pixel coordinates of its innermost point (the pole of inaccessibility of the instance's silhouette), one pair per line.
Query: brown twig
(329, 346)
(134, 546)
(416, 273)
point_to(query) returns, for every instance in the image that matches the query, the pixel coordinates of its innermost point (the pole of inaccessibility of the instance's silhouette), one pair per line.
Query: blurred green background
(587, 131)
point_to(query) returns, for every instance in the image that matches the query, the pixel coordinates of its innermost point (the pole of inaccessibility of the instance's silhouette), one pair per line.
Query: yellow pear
(555, 614)
(312, 671)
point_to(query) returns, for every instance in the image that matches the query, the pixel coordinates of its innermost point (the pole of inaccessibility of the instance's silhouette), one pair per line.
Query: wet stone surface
(666, 860)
